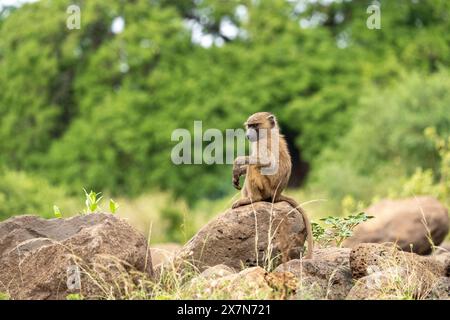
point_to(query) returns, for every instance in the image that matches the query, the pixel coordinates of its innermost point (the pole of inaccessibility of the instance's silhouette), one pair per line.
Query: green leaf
(113, 206)
(74, 296)
(57, 212)
(4, 296)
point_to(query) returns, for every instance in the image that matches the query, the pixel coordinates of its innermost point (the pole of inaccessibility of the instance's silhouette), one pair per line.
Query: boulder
(443, 248)
(444, 259)
(326, 276)
(216, 272)
(94, 255)
(240, 237)
(250, 283)
(441, 289)
(384, 271)
(379, 285)
(400, 283)
(408, 222)
(367, 258)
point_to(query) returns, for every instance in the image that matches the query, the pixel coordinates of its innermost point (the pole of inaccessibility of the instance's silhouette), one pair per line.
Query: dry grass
(404, 280)
(401, 278)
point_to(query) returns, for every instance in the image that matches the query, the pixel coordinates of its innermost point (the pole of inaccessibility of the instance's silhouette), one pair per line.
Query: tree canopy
(96, 107)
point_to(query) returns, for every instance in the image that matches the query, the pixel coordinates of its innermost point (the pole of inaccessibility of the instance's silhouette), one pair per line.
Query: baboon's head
(259, 124)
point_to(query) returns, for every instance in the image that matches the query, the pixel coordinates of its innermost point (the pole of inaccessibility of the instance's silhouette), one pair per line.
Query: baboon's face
(258, 125)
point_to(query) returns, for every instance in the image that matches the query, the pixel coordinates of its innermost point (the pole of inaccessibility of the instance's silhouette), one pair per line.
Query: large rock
(384, 271)
(444, 259)
(95, 255)
(326, 276)
(386, 284)
(441, 289)
(221, 282)
(367, 258)
(399, 283)
(408, 222)
(240, 237)
(443, 248)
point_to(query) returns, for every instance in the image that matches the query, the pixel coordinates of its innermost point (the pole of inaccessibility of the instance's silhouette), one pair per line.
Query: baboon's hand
(236, 175)
(236, 184)
(239, 169)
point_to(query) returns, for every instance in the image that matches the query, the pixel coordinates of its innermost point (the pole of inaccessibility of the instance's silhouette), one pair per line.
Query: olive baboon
(269, 152)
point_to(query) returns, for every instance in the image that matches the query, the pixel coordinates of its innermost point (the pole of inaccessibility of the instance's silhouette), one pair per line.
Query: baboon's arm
(259, 161)
(238, 171)
(241, 164)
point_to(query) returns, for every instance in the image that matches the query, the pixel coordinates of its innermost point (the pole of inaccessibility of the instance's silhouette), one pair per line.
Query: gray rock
(239, 237)
(441, 289)
(399, 283)
(36, 256)
(403, 222)
(369, 257)
(216, 272)
(326, 276)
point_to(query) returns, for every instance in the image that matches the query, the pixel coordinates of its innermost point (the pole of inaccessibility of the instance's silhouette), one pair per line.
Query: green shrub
(338, 228)
(387, 143)
(21, 193)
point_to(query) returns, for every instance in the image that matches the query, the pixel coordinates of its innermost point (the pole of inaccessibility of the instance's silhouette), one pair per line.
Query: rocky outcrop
(384, 271)
(326, 276)
(443, 248)
(216, 272)
(240, 237)
(369, 257)
(93, 255)
(400, 283)
(440, 290)
(379, 285)
(221, 282)
(408, 222)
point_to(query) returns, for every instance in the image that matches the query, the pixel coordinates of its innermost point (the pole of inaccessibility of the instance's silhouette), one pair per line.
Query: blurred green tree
(95, 107)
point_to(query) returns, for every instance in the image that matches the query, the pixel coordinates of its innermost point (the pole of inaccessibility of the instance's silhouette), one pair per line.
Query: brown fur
(260, 187)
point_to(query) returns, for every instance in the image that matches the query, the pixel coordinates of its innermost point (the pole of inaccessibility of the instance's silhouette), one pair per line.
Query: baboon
(263, 133)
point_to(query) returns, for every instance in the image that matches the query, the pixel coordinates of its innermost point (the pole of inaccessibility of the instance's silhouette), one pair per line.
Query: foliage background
(95, 108)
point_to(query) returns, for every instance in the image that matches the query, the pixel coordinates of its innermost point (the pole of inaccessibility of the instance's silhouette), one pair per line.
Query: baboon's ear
(272, 120)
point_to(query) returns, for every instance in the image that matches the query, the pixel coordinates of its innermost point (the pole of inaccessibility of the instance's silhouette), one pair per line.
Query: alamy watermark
(74, 17)
(217, 147)
(374, 20)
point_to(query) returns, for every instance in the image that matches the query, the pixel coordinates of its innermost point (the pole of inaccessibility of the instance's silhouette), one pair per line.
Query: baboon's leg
(294, 204)
(244, 201)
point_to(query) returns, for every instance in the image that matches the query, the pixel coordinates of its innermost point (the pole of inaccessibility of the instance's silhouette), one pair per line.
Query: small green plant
(57, 212)
(74, 296)
(339, 228)
(113, 206)
(92, 201)
(92, 204)
(4, 296)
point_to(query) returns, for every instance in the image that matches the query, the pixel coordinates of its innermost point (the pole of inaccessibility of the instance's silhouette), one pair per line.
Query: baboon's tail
(309, 235)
